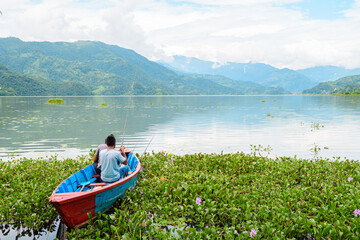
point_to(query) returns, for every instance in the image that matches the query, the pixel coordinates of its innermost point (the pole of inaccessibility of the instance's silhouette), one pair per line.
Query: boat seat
(87, 182)
(82, 184)
(73, 184)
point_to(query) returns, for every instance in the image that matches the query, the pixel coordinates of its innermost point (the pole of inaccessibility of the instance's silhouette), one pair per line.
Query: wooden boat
(79, 198)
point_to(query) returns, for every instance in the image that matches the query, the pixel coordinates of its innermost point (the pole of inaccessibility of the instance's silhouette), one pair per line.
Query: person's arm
(122, 151)
(95, 158)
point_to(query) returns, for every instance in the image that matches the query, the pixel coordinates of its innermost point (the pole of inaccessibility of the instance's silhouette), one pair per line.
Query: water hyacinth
(253, 233)
(357, 212)
(350, 179)
(241, 187)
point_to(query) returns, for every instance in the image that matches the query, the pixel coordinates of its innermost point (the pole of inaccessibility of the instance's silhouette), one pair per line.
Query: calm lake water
(290, 125)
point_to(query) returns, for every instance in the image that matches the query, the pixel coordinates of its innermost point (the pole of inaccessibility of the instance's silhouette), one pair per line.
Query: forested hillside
(346, 85)
(15, 84)
(106, 69)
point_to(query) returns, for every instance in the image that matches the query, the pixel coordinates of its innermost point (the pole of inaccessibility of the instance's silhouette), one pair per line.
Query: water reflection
(10, 232)
(181, 124)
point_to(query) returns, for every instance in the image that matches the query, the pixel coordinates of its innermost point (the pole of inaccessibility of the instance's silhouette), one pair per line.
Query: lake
(290, 125)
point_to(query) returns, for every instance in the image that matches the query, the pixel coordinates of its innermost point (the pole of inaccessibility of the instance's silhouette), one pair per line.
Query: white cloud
(216, 30)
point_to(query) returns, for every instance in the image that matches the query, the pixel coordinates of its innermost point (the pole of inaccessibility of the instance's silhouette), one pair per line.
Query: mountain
(242, 87)
(105, 69)
(328, 73)
(345, 85)
(260, 73)
(12, 84)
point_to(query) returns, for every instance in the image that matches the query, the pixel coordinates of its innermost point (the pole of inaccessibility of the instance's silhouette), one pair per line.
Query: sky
(292, 34)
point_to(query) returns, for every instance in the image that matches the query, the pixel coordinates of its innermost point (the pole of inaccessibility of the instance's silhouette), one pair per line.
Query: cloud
(265, 31)
(268, 33)
(68, 20)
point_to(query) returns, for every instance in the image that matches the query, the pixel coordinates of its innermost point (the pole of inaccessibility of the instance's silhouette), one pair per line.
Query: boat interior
(87, 178)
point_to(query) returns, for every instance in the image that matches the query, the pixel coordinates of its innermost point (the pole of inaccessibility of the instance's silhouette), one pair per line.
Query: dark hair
(110, 140)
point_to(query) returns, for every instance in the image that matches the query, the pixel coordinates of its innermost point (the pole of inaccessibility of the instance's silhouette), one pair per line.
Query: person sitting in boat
(110, 160)
(96, 163)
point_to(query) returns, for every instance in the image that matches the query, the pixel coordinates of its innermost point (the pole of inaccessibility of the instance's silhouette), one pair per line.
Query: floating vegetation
(202, 196)
(150, 103)
(219, 103)
(352, 101)
(256, 150)
(269, 115)
(235, 196)
(104, 105)
(55, 101)
(316, 126)
(315, 149)
(263, 101)
(26, 186)
(7, 106)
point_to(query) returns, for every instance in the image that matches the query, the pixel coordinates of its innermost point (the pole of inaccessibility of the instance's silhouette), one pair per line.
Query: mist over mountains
(295, 81)
(96, 68)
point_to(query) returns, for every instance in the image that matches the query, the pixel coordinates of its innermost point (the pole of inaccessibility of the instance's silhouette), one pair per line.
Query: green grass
(282, 198)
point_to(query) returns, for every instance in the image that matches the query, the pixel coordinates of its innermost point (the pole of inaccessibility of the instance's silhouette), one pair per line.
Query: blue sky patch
(322, 9)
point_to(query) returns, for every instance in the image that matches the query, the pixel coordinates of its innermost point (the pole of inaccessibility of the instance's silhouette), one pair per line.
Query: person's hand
(122, 149)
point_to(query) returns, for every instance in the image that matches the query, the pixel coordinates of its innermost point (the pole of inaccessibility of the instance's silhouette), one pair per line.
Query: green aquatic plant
(26, 186)
(242, 196)
(104, 105)
(315, 149)
(257, 150)
(55, 101)
(316, 126)
(202, 196)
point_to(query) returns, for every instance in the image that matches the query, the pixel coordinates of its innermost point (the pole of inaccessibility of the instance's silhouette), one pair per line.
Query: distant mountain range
(106, 70)
(264, 74)
(328, 73)
(88, 67)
